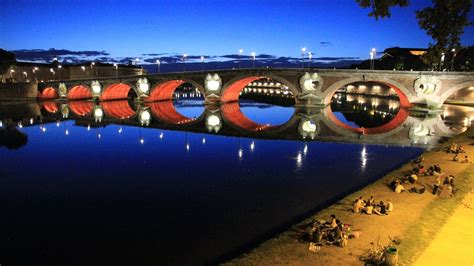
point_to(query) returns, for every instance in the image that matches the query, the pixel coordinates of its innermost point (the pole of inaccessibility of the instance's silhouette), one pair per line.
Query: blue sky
(328, 28)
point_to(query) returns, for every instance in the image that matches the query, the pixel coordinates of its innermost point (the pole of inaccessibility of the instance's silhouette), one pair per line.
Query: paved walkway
(454, 244)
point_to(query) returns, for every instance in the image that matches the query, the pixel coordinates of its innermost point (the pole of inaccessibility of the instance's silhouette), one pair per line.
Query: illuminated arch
(79, 92)
(118, 109)
(164, 90)
(232, 89)
(405, 96)
(49, 93)
(398, 120)
(232, 114)
(449, 92)
(51, 107)
(81, 108)
(116, 91)
(166, 112)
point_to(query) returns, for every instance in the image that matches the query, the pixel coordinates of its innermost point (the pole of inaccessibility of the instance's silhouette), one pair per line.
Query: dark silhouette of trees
(7, 60)
(381, 8)
(11, 138)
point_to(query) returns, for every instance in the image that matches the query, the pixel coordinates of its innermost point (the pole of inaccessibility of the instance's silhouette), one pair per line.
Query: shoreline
(403, 222)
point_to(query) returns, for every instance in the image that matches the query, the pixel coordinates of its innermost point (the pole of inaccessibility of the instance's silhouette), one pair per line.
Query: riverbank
(414, 215)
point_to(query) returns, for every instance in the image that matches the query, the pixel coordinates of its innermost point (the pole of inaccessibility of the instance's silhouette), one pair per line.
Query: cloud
(40, 54)
(325, 43)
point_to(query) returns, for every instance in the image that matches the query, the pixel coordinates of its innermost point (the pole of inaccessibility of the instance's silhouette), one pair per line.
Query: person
(333, 221)
(451, 180)
(389, 206)
(358, 204)
(381, 209)
(370, 201)
(436, 184)
(446, 181)
(421, 169)
(412, 178)
(461, 149)
(437, 169)
(368, 209)
(466, 159)
(399, 188)
(455, 158)
(453, 148)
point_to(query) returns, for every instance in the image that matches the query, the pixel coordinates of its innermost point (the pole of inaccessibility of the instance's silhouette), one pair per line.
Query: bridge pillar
(310, 96)
(143, 89)
(96, 89)
(213, 118)
(427, 89)
(212, 88)
(62, 90)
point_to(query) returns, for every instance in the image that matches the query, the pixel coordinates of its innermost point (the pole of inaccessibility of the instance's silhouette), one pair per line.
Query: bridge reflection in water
(350, 118)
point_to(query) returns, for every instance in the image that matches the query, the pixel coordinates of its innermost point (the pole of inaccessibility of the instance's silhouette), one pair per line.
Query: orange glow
(116, 91)
(233, 114)
(79, 92)
(164, 91)
(49, 93)
(118, 109)
(232, 92)
(165, 111)
(80, 107)
(51, 107)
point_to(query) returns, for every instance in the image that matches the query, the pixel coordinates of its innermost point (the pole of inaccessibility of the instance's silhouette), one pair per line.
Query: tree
(444, 23)
(381, 8)
(7, 60)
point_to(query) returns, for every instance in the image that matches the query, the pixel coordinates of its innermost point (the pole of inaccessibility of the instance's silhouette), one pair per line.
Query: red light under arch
(232, 93)
(116, 91)
(81, 108)
(118, 109)
(164, 91)
(233, 114)
(79, 92)
(49, 93)
(51, 107)
(166, 112)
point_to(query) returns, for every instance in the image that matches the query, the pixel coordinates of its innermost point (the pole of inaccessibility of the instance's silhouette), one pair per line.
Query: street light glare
(303, 49)
(241, 51)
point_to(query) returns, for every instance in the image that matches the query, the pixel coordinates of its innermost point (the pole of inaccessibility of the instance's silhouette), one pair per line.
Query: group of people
(443, 189)
(328, 232)
(369, 206)
(456, 149)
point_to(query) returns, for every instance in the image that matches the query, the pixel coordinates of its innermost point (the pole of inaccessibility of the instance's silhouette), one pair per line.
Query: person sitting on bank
(456, 158)
(333, 221)
(466, 159)
(461, 149)
(436, 184)
(380, 209)
(451, 180)
(421, 169)
(399, 188)
(368, 209)
(370, 201)
(413, 178)
(453, 148)
(358, 205)
(389, 206)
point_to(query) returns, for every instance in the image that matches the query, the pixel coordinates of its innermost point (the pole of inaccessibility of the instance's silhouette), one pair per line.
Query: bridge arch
(166, 112)
(49, 93)
(231, 89)
(449, 92)
(79, 92)
(51, 107)
(117, 91)
(164, 90)
(405, 96)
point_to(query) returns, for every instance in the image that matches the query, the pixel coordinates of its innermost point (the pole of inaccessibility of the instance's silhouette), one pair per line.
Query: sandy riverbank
(415, 220)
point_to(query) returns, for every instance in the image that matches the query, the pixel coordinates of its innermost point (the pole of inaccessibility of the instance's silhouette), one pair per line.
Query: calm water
(85, 190)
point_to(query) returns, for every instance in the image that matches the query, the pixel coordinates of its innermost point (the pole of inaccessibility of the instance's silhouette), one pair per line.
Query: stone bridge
(309, 87)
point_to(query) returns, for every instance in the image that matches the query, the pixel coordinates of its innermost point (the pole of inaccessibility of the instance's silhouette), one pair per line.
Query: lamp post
(303, 52)
(441, 61)
(34, 73)
(253, 58)
(52, 71)
(310, 56)
(26, 76)
(452, 60)
(372, 56)
(92, 68)
(116, 69)
(202, 61)
(240, 56)
(158, 63)
(184, 61)
(11, 73)
(59, 71)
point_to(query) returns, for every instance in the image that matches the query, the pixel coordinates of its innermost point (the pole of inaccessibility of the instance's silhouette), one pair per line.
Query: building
(40, 72)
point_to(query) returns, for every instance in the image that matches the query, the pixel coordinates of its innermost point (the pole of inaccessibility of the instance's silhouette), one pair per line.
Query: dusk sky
(327, 28)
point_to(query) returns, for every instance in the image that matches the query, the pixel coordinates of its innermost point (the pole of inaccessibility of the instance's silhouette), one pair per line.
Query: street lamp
(52, 71)
(310, 56)
(26, 76)
(59, 71)
(184, 61)
(240, 55)
(202, 61)
(34, 73)
(92, 68)
(253, 58)
(303, 52)
(158, 63)
(11, 73)
(372, 56)
(442, 61)
(452, 60)
(116, 69)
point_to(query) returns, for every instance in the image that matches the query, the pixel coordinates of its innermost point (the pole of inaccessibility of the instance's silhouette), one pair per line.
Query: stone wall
(18, 92)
